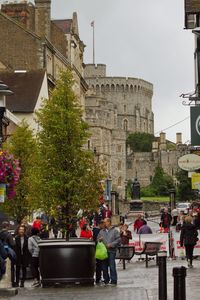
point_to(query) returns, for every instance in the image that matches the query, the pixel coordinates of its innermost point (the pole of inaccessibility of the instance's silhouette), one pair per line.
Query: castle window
(131, 88)
(135, 88)
(97, 88)
(119, 181)
(102, 88)
(112, 87)
(89, 144)
(119, 148)
(117, 88)
(127, 87)
(107, 88)
(125, 125)
(129, 164)
(122, 88)
(119, 165)
(124, 108)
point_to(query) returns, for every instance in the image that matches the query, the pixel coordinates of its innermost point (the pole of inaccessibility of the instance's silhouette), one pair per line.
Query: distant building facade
(144, 163)
(115, 107)
(30, 40)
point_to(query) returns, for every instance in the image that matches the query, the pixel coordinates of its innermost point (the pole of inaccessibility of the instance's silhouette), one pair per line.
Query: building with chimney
(31, 40)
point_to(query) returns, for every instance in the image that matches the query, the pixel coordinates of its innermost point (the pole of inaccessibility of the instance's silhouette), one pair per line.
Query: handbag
(101, 251)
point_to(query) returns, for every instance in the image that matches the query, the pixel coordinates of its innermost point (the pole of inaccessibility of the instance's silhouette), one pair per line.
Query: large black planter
(67, 262)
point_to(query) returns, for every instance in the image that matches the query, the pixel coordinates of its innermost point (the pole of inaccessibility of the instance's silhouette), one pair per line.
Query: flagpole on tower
(93, 27)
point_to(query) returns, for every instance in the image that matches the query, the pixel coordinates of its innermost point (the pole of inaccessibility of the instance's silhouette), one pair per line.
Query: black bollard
(179, 283)
(162, 275)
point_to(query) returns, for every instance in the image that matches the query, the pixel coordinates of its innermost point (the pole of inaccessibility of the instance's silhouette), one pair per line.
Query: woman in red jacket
(86, 232)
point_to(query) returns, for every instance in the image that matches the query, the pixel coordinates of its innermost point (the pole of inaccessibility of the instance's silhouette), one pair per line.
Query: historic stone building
(115, 107)
(30, 40)
(164, 153)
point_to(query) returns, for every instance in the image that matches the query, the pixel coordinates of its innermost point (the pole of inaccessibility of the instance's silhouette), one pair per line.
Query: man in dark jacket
(189, 239)
(21, 249)
(110, 236)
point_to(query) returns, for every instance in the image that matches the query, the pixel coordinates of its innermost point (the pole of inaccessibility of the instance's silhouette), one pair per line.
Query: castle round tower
(131, 97)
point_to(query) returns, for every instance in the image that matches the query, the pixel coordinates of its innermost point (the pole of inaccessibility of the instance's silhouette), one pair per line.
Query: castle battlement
(94, 71)
(120, 84)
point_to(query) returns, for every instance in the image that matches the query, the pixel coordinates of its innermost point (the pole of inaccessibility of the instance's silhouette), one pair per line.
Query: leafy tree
(161, 182)
(184, 187)
(67, 176)
(160, 185)
(22, 145)
(140, 141)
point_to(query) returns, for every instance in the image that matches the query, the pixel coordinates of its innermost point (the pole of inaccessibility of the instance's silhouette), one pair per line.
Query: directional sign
(189, 162)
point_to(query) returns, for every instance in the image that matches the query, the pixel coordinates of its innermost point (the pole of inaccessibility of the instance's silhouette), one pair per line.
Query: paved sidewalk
(136, 282)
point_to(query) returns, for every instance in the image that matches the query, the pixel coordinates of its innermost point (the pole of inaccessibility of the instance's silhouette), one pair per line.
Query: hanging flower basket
(9, 173)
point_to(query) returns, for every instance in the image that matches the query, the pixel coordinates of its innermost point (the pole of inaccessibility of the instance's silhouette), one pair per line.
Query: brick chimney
(22, 12)
(179, 138)
(43, 18)
(163, 143)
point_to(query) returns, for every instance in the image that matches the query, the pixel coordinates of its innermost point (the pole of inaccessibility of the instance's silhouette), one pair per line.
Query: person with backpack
(34, 250)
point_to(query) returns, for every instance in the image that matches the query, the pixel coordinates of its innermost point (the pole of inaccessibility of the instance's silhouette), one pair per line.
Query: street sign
(196, 181)
(195, 125)
(189, 162)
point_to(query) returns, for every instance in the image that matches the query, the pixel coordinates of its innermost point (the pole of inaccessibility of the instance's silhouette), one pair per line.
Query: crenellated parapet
(120, 85)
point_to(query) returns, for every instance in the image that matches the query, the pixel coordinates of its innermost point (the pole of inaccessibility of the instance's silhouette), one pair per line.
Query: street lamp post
(4, 91)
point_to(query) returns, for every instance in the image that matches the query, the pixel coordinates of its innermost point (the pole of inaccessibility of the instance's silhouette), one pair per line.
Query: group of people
(22, 250)
(188, 225)
(112, 238)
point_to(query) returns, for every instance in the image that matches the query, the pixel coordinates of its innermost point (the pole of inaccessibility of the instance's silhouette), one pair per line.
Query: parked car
(183, 207)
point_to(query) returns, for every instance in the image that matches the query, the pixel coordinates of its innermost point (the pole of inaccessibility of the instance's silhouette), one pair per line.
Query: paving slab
(96, 293)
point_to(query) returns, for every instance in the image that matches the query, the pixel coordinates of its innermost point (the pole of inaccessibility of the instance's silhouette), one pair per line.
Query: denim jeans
(110, 263)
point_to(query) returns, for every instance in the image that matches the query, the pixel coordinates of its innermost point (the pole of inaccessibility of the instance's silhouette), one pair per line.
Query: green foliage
(160, 185)
(140, 142)
(148, 191)
(184, 187)
(22, 145)
(161, 182)
(67, 176)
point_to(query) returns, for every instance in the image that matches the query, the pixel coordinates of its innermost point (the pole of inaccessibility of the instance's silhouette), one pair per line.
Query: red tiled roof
(26, 88)
(64, 25)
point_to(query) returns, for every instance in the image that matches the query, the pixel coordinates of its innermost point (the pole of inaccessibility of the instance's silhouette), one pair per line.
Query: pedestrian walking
(125, 235)
(34, 250)
(145, 229)
(189, 238)
(166, 220)
(21, 249)
(110, 236)
(96, 231)
(8, 241)
(139, 222)
(86, 232)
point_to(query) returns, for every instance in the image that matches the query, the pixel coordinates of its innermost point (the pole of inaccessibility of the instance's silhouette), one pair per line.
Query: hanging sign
(189, 162)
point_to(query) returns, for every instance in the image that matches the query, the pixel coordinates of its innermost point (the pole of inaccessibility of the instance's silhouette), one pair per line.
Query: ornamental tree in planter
(68, 177)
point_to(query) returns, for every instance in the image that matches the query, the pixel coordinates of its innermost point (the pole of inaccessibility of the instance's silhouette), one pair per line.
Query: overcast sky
(145, 39)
